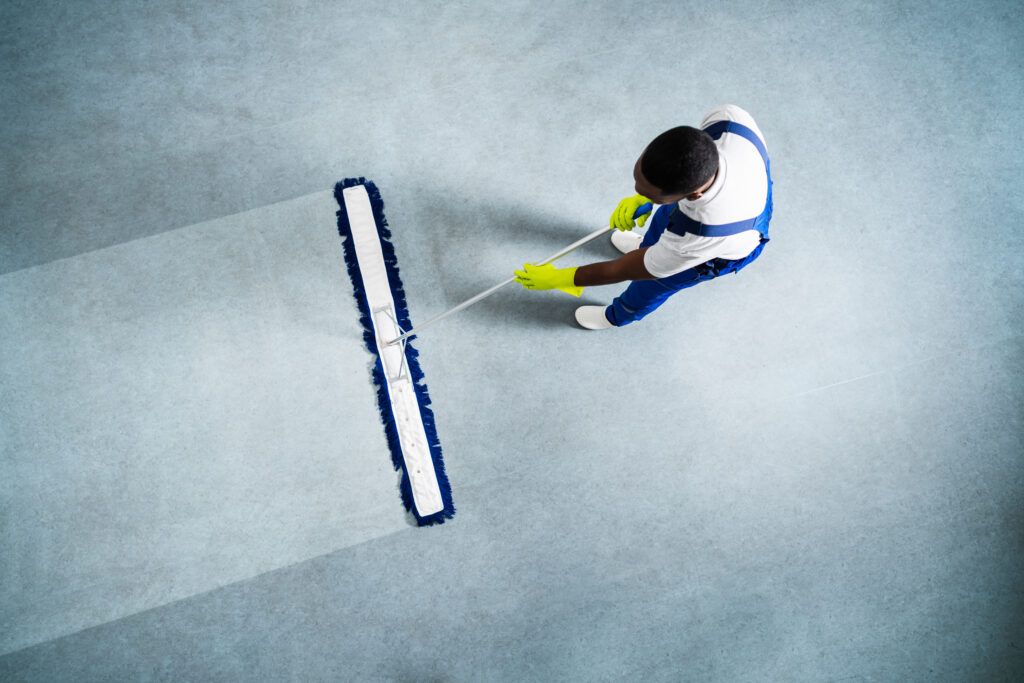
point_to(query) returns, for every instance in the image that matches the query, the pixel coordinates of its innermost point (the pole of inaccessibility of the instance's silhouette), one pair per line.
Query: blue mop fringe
(412, 355)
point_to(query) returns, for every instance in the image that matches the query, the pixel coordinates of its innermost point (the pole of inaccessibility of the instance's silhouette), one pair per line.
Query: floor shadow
(484, 240)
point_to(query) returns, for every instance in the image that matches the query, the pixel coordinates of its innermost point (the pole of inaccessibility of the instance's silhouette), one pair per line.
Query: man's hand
(625, 212)
(548, 277)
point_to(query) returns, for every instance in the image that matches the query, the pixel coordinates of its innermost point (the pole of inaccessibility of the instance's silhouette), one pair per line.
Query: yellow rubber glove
(548, 277)
(622, 217)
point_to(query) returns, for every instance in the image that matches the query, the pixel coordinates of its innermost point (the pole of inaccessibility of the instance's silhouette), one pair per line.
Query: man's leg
(643, 296)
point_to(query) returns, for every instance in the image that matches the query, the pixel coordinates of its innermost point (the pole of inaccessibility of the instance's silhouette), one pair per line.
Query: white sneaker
(593, 317)
(626, 240)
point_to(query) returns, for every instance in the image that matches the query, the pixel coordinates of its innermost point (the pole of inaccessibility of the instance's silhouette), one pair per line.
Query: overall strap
(716, 129)
(681, 224)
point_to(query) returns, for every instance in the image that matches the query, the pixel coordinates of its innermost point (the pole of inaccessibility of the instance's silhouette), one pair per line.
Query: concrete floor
(812, 471)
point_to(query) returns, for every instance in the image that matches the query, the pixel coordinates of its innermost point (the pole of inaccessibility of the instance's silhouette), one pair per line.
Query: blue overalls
(643, 296)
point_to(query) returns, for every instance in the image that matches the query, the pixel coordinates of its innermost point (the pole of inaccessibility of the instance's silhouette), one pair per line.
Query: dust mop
(401, 394)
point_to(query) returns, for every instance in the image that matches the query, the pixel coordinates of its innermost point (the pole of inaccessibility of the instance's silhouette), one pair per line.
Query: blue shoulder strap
(681, 224)
(715, 130)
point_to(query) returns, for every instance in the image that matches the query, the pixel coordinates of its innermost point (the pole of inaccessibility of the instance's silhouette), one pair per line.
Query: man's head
(678, 164)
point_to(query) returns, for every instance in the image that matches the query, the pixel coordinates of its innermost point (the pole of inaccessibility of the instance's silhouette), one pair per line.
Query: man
(714, 185)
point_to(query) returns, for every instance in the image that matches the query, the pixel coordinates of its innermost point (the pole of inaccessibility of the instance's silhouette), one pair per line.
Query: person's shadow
(485, 242)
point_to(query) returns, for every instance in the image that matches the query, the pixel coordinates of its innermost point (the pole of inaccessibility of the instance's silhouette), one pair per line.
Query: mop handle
(483, 295)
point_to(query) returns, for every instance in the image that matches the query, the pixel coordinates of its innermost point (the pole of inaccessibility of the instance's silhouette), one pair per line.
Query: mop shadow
(526, 310)
(505, 237)
(470, 230)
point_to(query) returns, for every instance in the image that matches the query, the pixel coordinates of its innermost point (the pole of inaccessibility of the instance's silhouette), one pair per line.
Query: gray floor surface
(811, 471)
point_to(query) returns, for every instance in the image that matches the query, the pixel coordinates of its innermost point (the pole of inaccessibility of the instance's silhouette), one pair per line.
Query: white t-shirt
(739, 193)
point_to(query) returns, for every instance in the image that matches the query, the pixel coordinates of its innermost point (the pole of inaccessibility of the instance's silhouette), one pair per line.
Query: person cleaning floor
(714, 187)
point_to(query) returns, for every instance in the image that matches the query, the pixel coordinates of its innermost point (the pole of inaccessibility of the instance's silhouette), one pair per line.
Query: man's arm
(628, 267)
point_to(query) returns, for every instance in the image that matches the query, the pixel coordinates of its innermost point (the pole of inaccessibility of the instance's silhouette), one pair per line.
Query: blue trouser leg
(644, 296)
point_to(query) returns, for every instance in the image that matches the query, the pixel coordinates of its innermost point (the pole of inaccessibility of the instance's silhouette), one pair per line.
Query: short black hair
(680, 160)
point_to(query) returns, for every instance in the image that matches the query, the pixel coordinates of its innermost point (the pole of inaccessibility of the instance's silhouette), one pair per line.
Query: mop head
(401, 394)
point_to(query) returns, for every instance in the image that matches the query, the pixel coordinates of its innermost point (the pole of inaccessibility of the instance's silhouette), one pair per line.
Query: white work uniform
(738, 193)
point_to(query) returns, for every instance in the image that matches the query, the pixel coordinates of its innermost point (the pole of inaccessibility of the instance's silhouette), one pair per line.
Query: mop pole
(483, 295)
